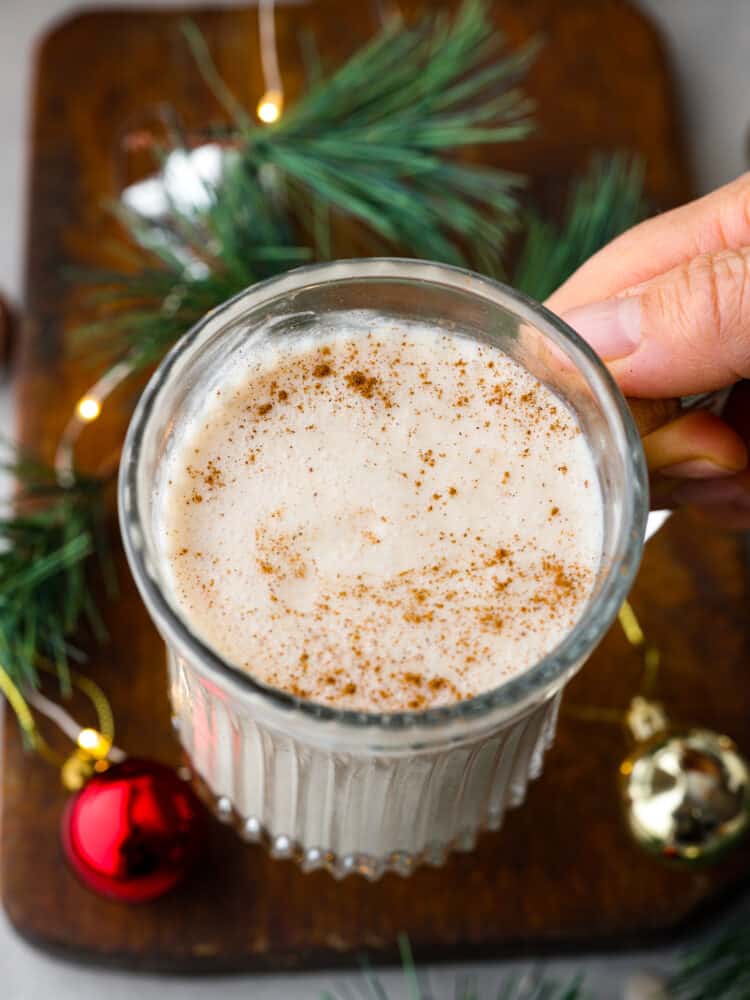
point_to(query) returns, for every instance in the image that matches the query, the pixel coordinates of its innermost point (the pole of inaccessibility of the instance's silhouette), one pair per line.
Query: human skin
(667, 306)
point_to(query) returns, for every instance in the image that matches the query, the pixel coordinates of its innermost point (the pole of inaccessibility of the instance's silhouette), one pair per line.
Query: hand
(667, 306)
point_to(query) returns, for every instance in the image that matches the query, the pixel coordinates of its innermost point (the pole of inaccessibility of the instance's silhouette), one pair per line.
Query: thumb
(686, 331)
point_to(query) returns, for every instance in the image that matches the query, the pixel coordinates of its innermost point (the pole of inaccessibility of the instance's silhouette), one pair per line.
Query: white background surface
(710, 49)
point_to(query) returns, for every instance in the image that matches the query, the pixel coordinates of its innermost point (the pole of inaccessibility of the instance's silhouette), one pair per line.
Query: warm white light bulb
(270, 106)
(93, 742)
(89, 408)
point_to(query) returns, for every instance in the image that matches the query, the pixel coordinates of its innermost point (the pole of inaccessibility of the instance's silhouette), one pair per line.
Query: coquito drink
(381, 517)
(381, 511)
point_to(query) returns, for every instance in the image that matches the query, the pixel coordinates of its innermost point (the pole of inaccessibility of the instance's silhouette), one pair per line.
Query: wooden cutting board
(563, 873)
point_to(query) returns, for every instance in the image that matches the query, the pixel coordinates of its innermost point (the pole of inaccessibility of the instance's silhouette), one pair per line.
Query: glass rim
(552, 669)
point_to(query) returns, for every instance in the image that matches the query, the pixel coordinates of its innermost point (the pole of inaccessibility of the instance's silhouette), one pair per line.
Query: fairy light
(270, 107)
(88, 408)
(271, 104)
(94, 743)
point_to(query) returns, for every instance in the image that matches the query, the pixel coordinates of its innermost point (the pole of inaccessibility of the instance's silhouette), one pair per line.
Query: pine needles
(719, 970)
(44, 592)
(185, 265)
(604, 203)
(372, 144)
(375, 140)
(528, 986)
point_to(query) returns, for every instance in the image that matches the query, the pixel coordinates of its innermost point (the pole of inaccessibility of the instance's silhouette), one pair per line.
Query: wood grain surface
(563, 873)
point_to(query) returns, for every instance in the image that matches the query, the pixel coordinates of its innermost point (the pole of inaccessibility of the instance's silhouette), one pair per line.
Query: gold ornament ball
(687, 794)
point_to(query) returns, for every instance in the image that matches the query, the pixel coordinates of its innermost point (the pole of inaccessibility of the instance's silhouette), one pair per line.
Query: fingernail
(713, 491)
(696, 468)
(612, 328)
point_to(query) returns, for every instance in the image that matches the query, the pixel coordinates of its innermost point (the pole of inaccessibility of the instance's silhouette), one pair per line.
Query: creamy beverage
(380, 515)
(381, 512)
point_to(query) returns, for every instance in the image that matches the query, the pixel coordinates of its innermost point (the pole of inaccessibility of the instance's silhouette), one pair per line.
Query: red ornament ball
(133, 831)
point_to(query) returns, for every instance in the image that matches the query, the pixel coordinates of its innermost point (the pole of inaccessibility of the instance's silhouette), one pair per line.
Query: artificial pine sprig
(528, 986)
(184, 265)
(44, 591)
(719, 970)
(375, 141)
(605, 202)
(372, 144)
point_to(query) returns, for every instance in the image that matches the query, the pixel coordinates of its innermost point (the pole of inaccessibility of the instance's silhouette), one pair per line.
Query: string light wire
(271, 103)
(88, 409)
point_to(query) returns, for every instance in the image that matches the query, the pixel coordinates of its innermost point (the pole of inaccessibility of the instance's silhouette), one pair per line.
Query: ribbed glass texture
(357, 810)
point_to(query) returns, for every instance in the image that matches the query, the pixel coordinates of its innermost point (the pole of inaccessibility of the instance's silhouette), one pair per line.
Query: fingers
(700, 461)
(718, 222)
(686, 331)
(667, 306)
(695, 446)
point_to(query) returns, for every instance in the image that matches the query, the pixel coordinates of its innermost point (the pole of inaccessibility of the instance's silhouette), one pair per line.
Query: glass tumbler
(352, 791)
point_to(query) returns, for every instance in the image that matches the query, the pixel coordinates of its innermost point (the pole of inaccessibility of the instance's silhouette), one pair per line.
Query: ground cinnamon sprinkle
(492, 621)
(212, 476)
(361, 383)
(363, 589)
(563, 579)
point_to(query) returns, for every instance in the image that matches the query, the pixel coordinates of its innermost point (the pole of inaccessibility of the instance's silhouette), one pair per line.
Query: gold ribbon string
(634, 634)
(92, 744)
(26, 720)
(95, 694)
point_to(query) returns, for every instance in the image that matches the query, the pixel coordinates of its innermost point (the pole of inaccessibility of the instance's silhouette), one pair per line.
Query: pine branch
(44, 591)
(373, 141)
(603, 204)
(186, 265)
(370, 143)
(523, 987)
(719, 970)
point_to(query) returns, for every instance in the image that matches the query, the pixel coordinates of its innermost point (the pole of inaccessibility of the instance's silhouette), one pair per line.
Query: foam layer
(382, 518)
